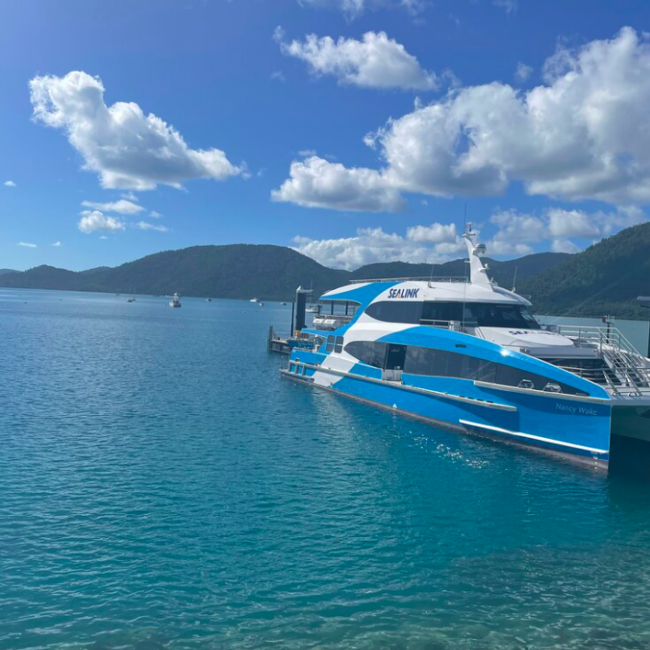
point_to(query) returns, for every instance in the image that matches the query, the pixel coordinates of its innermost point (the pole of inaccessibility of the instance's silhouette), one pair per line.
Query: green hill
(246, 271)
(604, 279)
(236, 271)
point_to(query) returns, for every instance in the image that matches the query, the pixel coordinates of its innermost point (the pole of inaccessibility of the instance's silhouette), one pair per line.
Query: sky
(355, 131)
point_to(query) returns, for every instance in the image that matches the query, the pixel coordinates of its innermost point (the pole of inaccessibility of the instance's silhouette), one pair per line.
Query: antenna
(514, 281)
(465, 218)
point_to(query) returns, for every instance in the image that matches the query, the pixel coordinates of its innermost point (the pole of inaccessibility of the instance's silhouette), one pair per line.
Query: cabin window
(338, 346)
(435, 311)
(428, 362)
(500, 315)
(371, 353)
(330, 344)
(396, 311)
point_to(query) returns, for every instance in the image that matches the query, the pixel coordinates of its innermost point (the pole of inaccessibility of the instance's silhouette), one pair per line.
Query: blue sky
(532, 113)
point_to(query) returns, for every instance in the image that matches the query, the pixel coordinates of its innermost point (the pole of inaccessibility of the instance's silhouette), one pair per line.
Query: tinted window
(438, 363)
(442, 311)
(494, 315)
(399, 311)
(338, 347)
(330, 344)
(370, 352)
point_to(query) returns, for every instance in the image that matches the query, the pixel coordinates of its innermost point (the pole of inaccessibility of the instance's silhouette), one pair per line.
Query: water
(162, 487)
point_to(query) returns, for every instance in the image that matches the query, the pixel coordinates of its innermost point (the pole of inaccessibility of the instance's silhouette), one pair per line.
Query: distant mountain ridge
(604, 279)
(247, 271)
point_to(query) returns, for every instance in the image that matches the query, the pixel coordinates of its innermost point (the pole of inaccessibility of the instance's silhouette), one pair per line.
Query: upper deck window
(435, 312)
(396, 311)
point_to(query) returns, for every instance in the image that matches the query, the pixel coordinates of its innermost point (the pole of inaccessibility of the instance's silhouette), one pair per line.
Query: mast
(477, 272)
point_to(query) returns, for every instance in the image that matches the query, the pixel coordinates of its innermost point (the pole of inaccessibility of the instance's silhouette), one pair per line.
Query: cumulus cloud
(571, 223)
(126, 147)
(143, 225)
(371, 245)
(585, 134)
(27, 244)
(564, 246)
(522, 72)
(56, 244)
(318, 183)
(376, 61)
(97, 221)
(436, 233)
(9, 184)
(516, 232)
(122, 206)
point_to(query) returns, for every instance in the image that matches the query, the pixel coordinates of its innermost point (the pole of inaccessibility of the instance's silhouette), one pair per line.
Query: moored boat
(467, 354)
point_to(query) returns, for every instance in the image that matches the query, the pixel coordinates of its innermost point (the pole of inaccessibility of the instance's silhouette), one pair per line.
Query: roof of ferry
(367, 292)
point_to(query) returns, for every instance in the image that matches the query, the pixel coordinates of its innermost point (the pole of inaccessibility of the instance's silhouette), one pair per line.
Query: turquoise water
(162, 487)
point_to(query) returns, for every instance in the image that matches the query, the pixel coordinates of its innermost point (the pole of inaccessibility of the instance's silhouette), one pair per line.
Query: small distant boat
(131, 300)
(261, 304)
(208, 300)
(313, 309)
(253, 300)
(175, 301)
(283, 304)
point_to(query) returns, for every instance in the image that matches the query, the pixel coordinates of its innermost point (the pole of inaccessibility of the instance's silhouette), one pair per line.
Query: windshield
(493, 315)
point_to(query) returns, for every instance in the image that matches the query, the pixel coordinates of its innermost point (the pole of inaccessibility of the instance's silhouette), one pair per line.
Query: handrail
(451, 278)
(623, 360)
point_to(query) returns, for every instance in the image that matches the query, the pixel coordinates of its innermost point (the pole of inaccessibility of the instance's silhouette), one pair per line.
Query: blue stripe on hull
(537, 421)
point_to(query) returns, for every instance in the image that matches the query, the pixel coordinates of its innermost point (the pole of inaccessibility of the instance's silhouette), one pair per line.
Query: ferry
(468, 355)
(175, 301)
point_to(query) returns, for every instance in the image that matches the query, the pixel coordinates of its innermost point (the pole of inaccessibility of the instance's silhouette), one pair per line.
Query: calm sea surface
(162, 487)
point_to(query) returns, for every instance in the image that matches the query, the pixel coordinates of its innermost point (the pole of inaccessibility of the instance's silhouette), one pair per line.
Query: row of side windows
(440, 363)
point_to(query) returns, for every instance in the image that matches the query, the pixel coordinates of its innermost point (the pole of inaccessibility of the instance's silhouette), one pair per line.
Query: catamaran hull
(631, 421)
(546, 423)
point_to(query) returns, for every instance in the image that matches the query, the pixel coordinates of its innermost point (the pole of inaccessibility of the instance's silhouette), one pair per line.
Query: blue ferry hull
(556, 423)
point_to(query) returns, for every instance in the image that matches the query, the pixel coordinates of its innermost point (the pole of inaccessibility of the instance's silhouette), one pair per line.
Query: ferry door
(394, 364)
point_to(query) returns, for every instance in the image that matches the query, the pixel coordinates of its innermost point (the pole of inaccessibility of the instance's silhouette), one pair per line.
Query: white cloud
(371, 245)
(278, 75)
(376, 61)
(436, 233)
(122, 206)
(56, 244)
(583, 135)
(317, 183)
(564, 246)
(571, 223)
(27, 244)
(517, 231)
(143, 225)
(307, 153)
(128, 149)
(9, 184)
(95, 221)
(522, 71)
(155, 215)
(130, 196)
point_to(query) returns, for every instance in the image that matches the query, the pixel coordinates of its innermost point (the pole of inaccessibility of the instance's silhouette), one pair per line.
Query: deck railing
(627, 370)
(451, 278)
